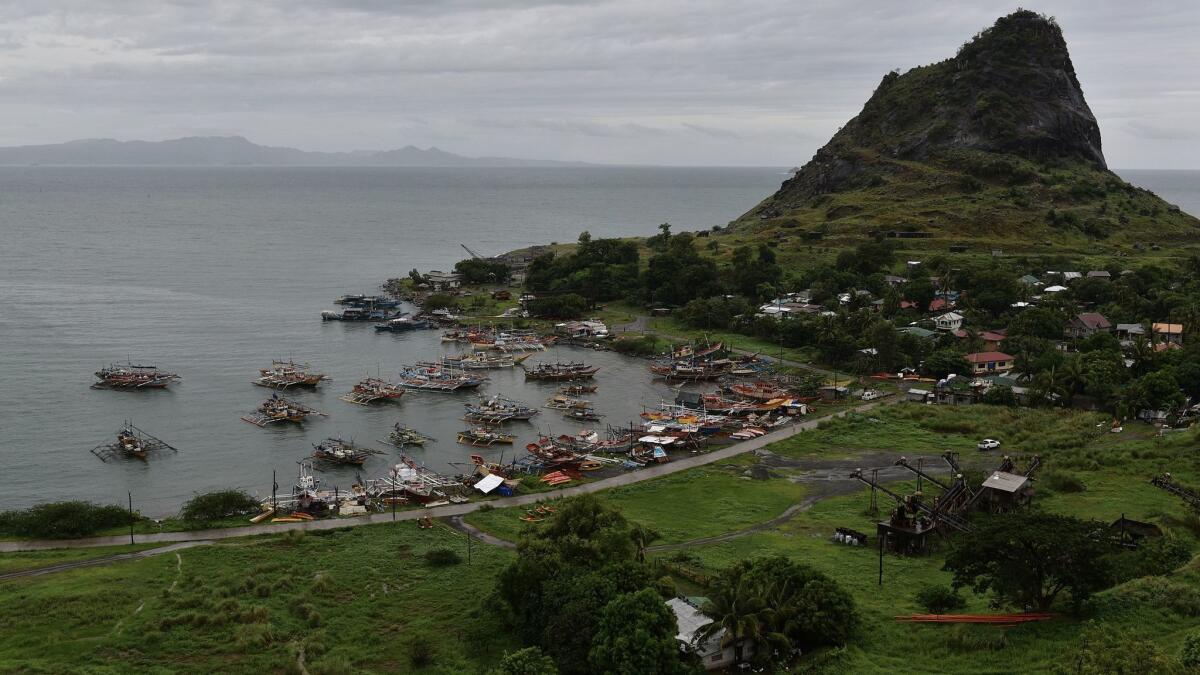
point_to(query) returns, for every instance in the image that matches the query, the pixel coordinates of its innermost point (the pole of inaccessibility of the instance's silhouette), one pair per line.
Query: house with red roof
(989, 363)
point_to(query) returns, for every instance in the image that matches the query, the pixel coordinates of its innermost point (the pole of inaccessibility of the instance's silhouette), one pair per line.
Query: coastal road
(448, 511)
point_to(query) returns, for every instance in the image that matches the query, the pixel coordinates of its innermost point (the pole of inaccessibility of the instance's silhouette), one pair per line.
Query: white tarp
(490, 482)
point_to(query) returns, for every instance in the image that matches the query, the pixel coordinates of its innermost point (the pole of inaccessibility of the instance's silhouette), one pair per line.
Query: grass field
(361, 599)
(29, 560)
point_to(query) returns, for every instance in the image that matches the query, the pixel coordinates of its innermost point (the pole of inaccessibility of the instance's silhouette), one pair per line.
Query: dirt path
(96, 562)
(451, 510)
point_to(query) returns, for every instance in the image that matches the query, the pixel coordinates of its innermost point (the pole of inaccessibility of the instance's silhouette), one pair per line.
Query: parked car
(989, 444)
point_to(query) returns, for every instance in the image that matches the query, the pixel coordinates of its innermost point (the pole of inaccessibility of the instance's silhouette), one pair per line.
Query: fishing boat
(564, 402)
(372, 390)
(498, 410)
(408, 482)
(279, 409)
(758, 391)
(401, 324)
(133, 376)
(578, 389)
(402, 436)
(692, 371)
(560, 372)
(438, 378)
(483, 361)
(583, 415)
(131, 443)
(481, 437)
(288, 374)
(358, 314)
(337, 451)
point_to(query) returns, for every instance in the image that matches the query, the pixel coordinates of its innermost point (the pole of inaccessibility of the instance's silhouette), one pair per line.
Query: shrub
(1063, 482)
(219, 505)
(644, 345)
(939, 599)
(442, 557)
(420, 651)
(566, 306)
(1189, 656)
(62, 520)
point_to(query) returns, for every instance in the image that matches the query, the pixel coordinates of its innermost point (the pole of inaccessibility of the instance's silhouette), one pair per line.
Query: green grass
(688, 505)
(352, 599)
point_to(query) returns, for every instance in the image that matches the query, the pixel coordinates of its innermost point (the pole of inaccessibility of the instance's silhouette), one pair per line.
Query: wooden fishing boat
(133, 376)
(288, 374)
(278, 409)
(480, 437)
(578, 389)
(561, 372)
(438, 378)
(498, 410)
(337, 451)
(131, 443)
(583, 415)
(402, 436)
(372, 390)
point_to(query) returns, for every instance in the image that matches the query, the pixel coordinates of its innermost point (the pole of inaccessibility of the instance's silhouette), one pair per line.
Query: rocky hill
(997, 142)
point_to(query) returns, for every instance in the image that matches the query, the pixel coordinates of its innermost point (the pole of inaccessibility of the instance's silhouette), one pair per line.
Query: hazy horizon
(706, 83)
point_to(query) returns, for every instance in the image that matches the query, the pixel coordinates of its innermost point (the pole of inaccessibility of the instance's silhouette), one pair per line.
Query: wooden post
(130, 518)
(880, 537)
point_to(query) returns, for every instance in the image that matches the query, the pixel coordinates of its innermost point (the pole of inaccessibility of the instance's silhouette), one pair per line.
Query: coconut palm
(642, 538)
(737, 607)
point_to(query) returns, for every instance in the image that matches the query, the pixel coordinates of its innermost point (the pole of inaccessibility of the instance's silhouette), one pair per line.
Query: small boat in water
(287, 374)
(560, 372)
(132, 443)
(372, 390)
(401, 324)
(279, 409)
(337, 451)
(480, 437)
(133, 376)
(402, 436)
(438, 378)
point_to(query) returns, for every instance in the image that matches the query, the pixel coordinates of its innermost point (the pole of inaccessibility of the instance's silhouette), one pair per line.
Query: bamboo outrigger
(337, 451)
(483, 438)
(371, 390)
(279, 409)
(287, 374)
(131, 442)
(132, 376)
(403, 436)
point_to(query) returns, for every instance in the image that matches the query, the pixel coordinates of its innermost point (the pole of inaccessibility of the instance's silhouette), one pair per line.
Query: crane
(473, 253)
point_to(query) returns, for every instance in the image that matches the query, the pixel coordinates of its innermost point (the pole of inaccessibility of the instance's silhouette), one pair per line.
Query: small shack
(1131, 533)
(1004, 491)
(689, 620)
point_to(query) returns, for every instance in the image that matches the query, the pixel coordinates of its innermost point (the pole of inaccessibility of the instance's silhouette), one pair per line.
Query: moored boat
(133, 376)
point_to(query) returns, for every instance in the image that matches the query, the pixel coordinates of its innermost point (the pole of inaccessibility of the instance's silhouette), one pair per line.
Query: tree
(1037, 322)
(1028, 559)
(636, 635)
(642, 537)
(528, 661)
(944, 362)
(567, 306)
(939, 599)
(482, 271)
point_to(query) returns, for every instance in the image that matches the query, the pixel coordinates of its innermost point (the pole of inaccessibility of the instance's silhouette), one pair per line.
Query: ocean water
(212, 272)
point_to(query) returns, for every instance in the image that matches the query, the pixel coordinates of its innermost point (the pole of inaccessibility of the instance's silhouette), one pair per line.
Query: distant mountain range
(237, 151)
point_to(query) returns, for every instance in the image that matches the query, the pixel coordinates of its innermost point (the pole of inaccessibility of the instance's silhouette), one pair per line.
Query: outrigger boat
(367, 301)
(287, 374)
(337, 451)
(278, 409)
(131, 442)
(561, 372)
(484, 361)
(401, 324)
(437, 378)
(583, 415)
(498, 410)
(133, 376)
(408, 482)
(693, 372)
(563, 402)
(402, 436)
(578, 389)
(480, 437)
(371, 390)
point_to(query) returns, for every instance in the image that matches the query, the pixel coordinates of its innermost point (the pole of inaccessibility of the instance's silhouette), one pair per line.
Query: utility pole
(881, 558)
(394, 476)
(130, 517)
(274, 487)
(469, 537)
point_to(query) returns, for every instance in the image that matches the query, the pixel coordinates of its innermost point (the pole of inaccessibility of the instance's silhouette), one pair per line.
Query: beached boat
(480, 437)
(372, 390)
(131, 443)
(759, 391)
(288, 374)
(408, 482)
(560, 372)
(279, 409)
(133, 376)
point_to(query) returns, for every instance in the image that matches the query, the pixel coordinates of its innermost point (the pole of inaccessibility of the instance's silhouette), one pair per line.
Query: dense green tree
(483, 271)
(679, 274)
(1028, 559)
(636, 635)
(565, 306)
(1038, 322)
(944, 362)
(528, 661)
(1108, 650)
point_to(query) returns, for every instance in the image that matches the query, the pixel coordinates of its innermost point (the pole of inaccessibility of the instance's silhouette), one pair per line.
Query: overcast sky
(752, 82)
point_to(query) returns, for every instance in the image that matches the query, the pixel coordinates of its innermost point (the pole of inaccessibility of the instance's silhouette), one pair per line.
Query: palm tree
(642, 538)
(737, 607)
(1047, 386)
(1071, 378)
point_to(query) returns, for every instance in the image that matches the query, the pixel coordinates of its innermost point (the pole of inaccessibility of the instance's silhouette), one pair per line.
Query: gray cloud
(672, 81)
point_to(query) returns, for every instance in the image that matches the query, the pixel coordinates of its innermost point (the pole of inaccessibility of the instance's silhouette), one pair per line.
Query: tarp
(490, 482)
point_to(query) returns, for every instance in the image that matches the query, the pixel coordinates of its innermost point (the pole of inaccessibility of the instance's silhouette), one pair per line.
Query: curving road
(448, 511)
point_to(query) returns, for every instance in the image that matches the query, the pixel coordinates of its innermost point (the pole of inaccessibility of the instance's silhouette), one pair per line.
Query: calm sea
(212, 272)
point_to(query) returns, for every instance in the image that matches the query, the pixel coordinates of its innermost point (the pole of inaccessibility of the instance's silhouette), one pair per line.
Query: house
(917, 395)
(582, 329)
(949, 321)
(989, 363)
(1171, 333)
(1099, 274)
(1130, 331)
(1068, 277)
(991, 338)
(938, 304)
(1030, 280)
(1055, 289)
(688, 621)
(893, 280)
(443, 281)
(1085, 324)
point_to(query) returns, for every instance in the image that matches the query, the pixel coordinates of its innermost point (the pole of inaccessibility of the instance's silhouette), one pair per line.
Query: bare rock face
(1009, 92)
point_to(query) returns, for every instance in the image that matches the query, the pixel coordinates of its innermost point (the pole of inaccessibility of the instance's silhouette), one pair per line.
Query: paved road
(448, 511)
